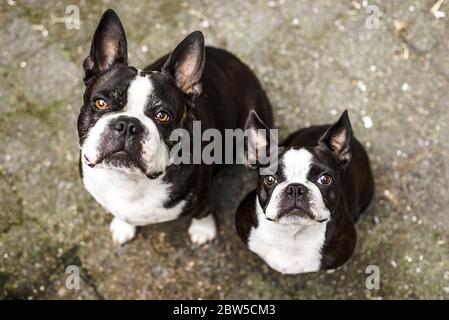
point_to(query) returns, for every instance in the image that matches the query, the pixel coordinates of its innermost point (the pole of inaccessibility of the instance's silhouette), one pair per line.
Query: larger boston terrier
(127, 118)
(301, 218)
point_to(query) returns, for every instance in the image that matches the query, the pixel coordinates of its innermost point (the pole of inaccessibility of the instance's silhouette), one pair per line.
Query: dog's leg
(121, 231)
(203, 228)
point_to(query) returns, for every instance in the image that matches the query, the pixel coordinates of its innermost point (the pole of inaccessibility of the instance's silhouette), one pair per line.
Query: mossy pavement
(315, 59)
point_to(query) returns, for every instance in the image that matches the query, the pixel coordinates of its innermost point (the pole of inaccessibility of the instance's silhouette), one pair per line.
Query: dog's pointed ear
(108, 46)
(338, 140)
(258, 140)
(186, 64)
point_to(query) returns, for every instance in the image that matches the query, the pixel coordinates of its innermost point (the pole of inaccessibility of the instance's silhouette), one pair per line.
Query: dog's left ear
(186, 64)
(258, 141)
(338, 139)
(108, 46)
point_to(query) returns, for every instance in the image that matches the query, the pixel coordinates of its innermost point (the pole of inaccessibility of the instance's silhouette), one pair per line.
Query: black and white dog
(301, 218)
(127, 118)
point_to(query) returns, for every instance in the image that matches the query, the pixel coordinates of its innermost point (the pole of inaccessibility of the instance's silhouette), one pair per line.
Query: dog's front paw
(202, 230)
(121, 231)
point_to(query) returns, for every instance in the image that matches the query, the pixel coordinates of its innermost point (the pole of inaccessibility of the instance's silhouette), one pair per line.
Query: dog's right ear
(258, 140)
(108, 46)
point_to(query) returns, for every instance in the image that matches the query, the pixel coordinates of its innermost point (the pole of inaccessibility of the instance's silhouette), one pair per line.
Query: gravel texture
(315, 58)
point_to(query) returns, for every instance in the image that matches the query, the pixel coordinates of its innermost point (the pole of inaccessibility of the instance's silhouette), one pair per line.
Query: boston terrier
(129, 114)
(301, 218)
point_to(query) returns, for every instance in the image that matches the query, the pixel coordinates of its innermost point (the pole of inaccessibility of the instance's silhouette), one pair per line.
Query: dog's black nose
(295, 190)
(128, 125)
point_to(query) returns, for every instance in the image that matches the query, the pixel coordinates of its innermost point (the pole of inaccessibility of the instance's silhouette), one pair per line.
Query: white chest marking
(287, 249)
(133, 198)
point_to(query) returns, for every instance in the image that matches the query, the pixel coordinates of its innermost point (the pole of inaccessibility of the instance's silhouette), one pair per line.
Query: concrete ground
(315, 58)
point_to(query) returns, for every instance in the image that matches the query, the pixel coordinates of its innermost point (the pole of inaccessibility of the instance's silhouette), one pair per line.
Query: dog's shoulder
(340, 240)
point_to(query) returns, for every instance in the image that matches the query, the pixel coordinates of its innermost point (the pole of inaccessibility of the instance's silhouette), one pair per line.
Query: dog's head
(305, 188)
(128, 114)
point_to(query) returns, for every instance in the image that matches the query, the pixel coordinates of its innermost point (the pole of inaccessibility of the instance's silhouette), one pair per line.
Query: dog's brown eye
(162, 116)
(101, 104)
(269, 180)
(325, 179)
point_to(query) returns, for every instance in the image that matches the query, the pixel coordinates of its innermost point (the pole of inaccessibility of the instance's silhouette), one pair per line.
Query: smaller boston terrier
(301, 218)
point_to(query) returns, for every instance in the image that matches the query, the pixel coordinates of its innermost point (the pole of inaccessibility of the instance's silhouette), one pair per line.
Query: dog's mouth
(122, 157)
(296, 215)
(117, 158)
(121, 160)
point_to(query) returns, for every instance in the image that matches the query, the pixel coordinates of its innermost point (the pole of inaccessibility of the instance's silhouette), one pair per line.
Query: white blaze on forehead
(154, 151)
(296, 165)
(138, 92)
